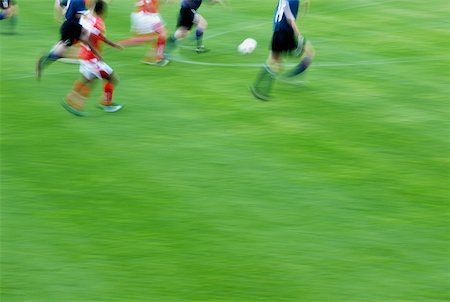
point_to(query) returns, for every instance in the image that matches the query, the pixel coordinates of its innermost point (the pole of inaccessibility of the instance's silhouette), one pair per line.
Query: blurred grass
(335, 191)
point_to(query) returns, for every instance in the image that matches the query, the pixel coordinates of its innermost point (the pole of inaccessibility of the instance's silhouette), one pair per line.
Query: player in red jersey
(92, 66)
(146, 22)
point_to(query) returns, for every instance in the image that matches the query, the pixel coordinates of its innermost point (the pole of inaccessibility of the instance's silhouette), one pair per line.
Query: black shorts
(70, 33)
(186, 18)
(283, 41)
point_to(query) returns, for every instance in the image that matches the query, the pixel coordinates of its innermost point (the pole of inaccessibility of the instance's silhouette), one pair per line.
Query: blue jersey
(191, 4)
(74, 8)
(282, 13)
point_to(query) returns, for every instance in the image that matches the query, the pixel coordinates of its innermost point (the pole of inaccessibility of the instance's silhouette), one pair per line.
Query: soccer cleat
(40, 66)
(72, 109)
(110, 108)
(201, 49)
(160, 63)
(258, 94)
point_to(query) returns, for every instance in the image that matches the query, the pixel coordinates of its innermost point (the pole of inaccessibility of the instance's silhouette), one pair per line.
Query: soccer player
(71, 32)
(145, 23)
(92, 67)
(9, 10)
(286, 39)
(187, 18)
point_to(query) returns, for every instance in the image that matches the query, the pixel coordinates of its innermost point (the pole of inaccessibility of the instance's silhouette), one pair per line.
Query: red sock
(108, 93)
(160, 44)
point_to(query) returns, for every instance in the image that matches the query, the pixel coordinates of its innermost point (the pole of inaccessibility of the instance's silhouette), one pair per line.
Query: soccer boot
(160, 63)
(72, 110)
(259, 94)
(201, 49)
(110, 108)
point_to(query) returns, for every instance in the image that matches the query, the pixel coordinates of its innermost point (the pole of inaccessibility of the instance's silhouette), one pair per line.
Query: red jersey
(96, 27)
(147, 6)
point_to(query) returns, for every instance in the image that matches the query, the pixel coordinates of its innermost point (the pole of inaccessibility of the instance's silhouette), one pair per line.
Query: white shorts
(145, 23)
(95, 69)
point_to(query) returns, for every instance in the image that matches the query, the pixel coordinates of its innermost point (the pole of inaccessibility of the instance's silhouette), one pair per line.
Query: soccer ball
(247, 46)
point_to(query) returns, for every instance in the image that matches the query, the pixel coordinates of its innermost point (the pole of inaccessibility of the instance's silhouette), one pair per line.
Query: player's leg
(76, 98)
(70, 34)
(57, 52)
(264, 81)
(306, 58)
(106, 103)
(160, 46)
(184, 24)
(155, 55)
(262, 86)
(202, 24)
(179, 34)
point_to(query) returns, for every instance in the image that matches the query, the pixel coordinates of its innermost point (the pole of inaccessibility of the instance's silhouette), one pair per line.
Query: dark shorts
(283, 41)
(186, 18)
(70, 33)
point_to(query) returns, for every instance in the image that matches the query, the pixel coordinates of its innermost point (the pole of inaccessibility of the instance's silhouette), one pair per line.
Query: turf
(336, 190)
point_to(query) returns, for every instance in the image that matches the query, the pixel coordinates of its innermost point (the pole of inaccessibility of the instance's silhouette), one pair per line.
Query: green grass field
(336, 190)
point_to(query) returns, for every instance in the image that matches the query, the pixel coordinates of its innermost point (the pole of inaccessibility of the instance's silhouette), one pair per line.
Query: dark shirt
(279, 19)
(74, 9)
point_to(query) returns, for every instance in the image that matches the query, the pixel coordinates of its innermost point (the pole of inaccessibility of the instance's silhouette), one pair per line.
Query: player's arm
(292, 22)
(86, 40)
(291, 19)
(109, 42)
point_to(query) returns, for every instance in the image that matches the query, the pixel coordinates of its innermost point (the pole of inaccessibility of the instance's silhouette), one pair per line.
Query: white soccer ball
(247, 46)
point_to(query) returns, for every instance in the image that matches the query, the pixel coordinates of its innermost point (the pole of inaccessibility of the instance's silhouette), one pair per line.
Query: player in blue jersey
(8, 10)
(71, 32)
(286, 39)
(187, 18)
